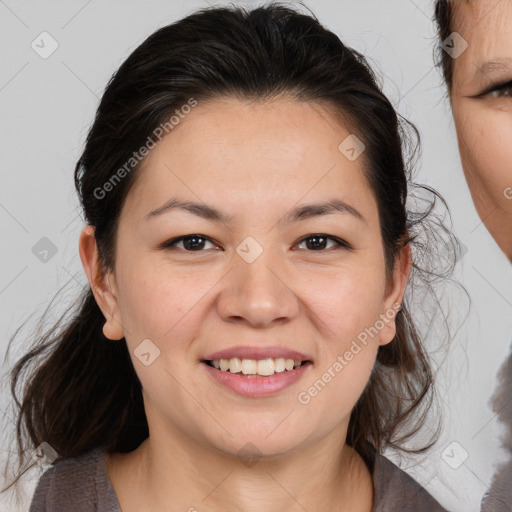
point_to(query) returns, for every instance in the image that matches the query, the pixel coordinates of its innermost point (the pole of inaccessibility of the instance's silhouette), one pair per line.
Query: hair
(79, 389)
(443, 16)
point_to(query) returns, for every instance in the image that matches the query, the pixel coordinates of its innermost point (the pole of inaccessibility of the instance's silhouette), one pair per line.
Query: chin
(258, 446)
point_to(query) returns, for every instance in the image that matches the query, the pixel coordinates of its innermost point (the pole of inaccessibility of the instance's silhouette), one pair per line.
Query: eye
(499, 91)
(191, 243)
(196, 243)
(318, 242)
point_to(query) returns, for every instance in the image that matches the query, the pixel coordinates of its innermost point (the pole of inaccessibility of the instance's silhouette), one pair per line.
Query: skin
(484, 121)
(254, 162)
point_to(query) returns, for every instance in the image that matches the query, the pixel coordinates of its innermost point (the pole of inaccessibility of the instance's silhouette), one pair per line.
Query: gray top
(81, 484)
(498, 498)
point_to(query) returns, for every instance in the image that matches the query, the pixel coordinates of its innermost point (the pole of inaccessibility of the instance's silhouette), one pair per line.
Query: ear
(102, 284)
(395, 294)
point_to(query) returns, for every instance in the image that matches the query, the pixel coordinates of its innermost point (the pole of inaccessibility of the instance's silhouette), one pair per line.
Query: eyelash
(341, 244)
(496, 90)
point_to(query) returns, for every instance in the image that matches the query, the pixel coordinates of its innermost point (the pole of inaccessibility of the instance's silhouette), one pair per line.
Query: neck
(326, 475)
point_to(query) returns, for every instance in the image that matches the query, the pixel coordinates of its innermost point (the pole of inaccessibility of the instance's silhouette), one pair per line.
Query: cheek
(350, 307)
(484, 141)
(338, 382)
(344, 305)
(158, 302)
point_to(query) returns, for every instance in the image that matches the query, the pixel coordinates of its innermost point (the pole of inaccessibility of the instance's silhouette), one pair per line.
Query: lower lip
(257, 386)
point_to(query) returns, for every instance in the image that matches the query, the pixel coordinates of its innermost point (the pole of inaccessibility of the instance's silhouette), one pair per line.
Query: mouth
(254, 368)
(256, 378)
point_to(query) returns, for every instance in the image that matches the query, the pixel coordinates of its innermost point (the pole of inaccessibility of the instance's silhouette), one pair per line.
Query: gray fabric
(79, 484)
(82, 484)
(498, 498)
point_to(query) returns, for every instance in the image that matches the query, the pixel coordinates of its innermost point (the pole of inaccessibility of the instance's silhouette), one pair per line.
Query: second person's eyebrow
(493, 67)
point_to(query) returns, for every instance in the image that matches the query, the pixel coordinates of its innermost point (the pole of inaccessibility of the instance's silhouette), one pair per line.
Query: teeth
(249, 366)
(235, 365)
(264, 367)
(279, 364)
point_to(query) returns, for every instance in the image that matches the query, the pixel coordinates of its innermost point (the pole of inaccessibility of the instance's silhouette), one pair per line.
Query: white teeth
(235, 365)
(249, 366)
(279, 365)
(264, 367)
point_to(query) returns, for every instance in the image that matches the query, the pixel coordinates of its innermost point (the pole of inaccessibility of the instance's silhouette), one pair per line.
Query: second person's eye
(499, 91)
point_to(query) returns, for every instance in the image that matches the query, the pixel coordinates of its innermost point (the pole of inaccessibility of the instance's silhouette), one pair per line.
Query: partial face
(260, 278)
(482, 109)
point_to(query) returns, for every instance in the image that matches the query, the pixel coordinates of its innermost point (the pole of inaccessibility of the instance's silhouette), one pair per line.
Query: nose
(258, 293)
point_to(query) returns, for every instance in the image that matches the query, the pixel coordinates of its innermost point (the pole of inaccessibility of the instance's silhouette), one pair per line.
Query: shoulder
(396, 491)
(80, 484)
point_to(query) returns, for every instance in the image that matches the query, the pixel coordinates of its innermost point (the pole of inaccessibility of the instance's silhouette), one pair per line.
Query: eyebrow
(493, 66)
(297, 214)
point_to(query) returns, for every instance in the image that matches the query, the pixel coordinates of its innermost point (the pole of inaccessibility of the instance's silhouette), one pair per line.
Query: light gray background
(48, 104)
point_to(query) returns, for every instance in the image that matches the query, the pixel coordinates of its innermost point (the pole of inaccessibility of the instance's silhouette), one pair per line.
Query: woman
(244, 344)
(479, 80)
(476, 57)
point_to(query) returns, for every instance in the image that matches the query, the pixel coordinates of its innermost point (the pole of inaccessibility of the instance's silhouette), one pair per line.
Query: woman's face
(253, 279)
(482, 109)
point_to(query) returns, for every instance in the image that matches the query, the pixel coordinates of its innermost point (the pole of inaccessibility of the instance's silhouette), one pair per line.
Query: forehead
(487, 27)
(236, 151)
(243, 125)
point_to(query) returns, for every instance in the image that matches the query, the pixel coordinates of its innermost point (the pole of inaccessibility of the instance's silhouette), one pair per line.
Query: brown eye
(318, 242)
(191, 243)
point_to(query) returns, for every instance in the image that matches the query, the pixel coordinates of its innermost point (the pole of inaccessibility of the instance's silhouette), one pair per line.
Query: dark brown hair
(443, 18)
(79, 389)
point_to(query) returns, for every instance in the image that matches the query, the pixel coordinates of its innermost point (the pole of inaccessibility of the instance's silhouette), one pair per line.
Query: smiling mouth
(256, 368)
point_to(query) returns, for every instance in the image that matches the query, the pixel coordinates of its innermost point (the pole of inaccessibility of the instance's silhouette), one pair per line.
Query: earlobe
(104, 292)
(112, 329)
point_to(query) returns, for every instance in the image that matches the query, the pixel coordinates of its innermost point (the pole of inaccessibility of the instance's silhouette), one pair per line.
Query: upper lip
(258, 353)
